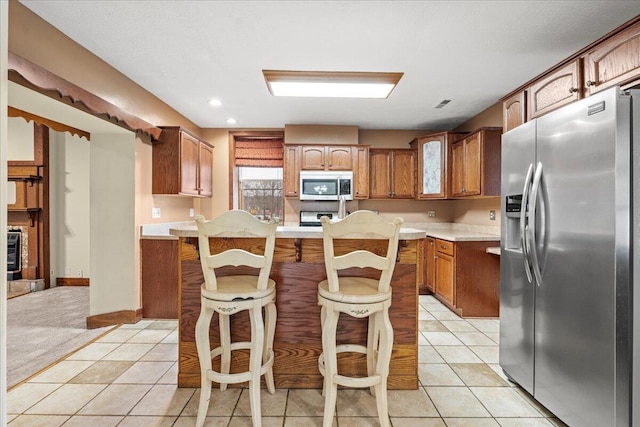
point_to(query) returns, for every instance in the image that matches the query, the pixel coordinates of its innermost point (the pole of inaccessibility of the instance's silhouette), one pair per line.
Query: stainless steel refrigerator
(569, 247)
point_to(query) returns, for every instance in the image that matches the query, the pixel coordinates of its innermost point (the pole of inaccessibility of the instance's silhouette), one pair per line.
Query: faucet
(342, 210)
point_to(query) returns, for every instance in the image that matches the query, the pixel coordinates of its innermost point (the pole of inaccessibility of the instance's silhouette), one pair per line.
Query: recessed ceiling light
(232, 121)
(331, 84)
(215, 102)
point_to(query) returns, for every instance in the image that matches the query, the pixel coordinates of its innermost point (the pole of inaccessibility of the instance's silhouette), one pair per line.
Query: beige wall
(476, 211)
(113, 229)
(20, 139)
(69, 185)
(389, 138)
(320, 134)
(491, 117)
(3, 210)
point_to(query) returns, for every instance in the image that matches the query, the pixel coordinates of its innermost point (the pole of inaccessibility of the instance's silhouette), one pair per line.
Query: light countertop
(462, 236)
(494, 251)
(410, 231)
(294, 232)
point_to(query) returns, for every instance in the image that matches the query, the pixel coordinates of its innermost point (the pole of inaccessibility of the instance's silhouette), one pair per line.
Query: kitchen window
(258, 174)
(260, 192)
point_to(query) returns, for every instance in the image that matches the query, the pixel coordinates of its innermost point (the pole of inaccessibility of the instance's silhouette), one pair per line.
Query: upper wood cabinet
(514, 111)
(559, 88)
(360, 172)
(292, 170)
(612, 60)
(326, 157)
(392, 173)
(182, 164)
(434, 162)
(476, 164)
(615, 61)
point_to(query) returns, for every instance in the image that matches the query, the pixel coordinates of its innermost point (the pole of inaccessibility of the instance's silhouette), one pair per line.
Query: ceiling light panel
(331, 84)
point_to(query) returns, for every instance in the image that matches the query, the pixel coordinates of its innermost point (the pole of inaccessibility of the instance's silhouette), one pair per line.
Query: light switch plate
(155, 212)
(192, 212)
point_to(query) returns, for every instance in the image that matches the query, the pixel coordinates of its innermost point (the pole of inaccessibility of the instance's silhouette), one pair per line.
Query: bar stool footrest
(238, 377)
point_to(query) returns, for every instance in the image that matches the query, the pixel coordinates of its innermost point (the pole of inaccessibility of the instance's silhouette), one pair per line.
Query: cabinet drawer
(444, 246)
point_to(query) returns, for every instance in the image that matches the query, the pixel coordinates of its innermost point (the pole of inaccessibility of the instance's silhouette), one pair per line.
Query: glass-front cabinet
(434, 161)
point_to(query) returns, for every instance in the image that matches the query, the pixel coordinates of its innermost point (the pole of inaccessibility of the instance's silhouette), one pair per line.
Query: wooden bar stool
(229, 295)
(358, 297)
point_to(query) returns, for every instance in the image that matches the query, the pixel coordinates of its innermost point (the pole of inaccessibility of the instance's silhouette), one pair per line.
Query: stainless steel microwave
(326, 185)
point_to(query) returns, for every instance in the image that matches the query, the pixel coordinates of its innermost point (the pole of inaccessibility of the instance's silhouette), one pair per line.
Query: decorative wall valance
(36, 78)
(57, 126)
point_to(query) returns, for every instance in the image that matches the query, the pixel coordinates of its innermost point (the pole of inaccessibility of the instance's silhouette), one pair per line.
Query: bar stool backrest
(366, 225)
(235, 224)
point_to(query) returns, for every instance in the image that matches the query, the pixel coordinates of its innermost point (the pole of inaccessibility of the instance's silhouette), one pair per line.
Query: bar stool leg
(255, 361)
(384, 357)
(323, 316)
(225, 342)
(270, 315)
(372, 348)
(204, 355)
(330, 365)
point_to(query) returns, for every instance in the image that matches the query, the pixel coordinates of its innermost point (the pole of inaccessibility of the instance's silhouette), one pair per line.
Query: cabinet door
(403, 168)
(339, 158)
(379, 174)
(291, 171)
(189, 150)
(513, 111)
(613, 62)
(473, 165)
(313, 158)
(361, 172)
(206, 170)
(430, 268)
(457, 169)
(445, 286)
(432, 167)
(559, 88)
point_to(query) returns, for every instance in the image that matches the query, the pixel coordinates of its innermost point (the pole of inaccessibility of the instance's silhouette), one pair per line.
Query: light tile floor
(128, 378)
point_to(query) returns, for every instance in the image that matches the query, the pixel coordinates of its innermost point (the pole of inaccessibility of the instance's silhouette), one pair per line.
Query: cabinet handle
(443, 247)
(573, 90)
(590, 83)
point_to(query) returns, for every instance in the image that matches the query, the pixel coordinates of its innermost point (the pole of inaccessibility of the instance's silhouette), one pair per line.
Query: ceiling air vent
(443, 103)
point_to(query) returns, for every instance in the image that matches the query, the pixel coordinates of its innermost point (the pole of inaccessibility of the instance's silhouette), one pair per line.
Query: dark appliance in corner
(14, 255)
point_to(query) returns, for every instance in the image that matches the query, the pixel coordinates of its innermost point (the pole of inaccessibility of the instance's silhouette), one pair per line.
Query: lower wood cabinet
(159, 278)
(465, 277)
(429, 278)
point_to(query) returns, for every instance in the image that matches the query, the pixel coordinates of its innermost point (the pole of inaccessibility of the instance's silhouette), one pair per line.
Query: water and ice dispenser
(513, 208)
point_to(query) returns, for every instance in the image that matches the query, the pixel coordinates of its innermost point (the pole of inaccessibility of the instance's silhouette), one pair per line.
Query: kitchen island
(298, 266)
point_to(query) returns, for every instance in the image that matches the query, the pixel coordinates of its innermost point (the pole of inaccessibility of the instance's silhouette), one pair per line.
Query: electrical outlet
(192, 212)
(155, 212)
(431, 214)
(79, 273)
(492, 215)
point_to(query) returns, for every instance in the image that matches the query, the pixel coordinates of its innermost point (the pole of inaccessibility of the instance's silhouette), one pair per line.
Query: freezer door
(516, 288)
(575, 332)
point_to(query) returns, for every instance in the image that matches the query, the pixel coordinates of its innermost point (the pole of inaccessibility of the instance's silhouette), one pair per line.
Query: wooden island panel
(297, 342)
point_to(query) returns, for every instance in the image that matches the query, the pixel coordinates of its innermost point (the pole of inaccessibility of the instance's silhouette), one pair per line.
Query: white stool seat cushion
(354, 290)
(238, 287)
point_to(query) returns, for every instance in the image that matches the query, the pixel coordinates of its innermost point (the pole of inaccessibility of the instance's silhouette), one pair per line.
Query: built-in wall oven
(326, 185)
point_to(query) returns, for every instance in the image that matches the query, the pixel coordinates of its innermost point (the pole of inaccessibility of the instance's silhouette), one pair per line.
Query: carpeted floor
(45, 326)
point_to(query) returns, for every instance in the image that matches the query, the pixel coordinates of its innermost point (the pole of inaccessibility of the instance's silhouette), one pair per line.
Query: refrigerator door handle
(535, 190)
(523, 223)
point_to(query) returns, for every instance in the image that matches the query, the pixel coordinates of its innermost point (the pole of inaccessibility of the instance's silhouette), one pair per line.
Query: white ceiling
(472, 52)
